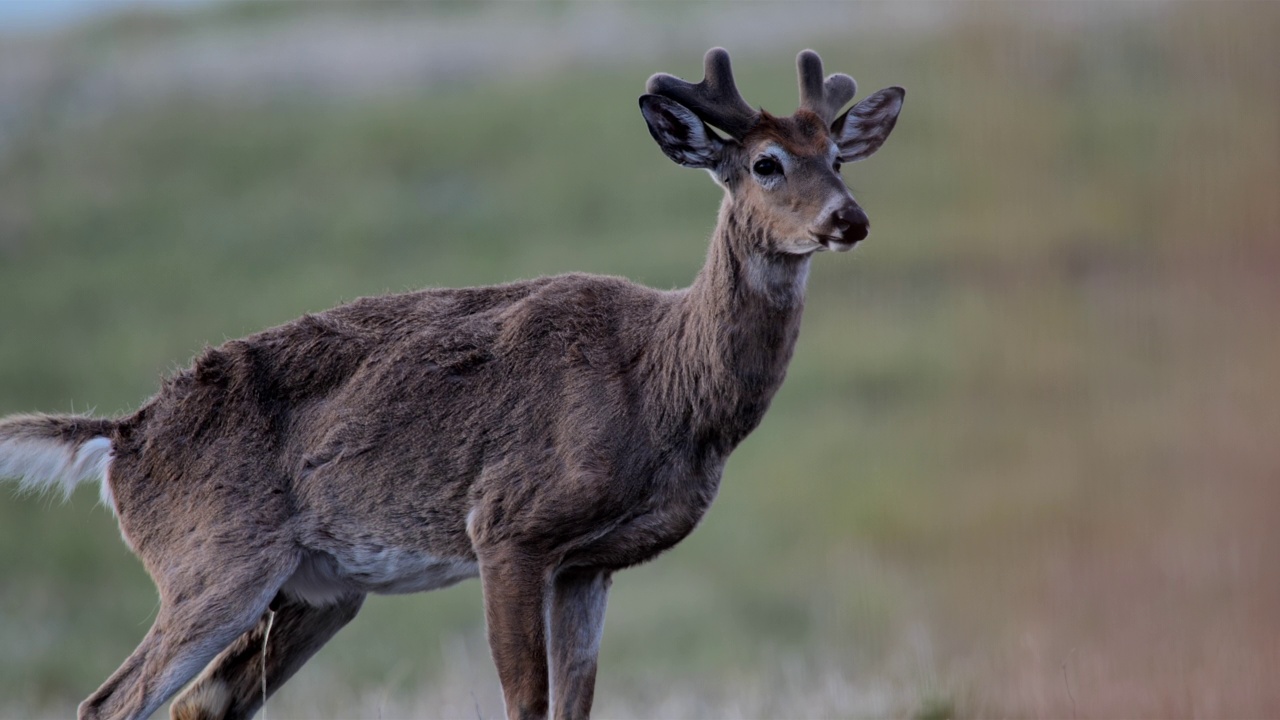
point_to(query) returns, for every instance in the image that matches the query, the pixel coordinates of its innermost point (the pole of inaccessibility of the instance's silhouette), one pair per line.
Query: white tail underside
(41, 465)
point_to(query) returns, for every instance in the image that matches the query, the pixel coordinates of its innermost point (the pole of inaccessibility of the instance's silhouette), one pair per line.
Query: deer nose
(852, 222)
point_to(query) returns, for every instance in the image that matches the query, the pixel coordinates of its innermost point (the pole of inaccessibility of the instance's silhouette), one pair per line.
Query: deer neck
(731, 335)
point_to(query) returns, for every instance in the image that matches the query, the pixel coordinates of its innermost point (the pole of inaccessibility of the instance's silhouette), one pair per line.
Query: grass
(1022, 463)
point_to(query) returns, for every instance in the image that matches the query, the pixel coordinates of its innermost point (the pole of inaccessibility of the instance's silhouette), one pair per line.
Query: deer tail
(45, 452)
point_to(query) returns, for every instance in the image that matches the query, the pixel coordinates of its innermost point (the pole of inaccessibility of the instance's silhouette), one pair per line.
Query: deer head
(781, 174)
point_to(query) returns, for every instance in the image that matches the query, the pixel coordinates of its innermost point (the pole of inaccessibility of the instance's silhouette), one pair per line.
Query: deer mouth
(835, 244)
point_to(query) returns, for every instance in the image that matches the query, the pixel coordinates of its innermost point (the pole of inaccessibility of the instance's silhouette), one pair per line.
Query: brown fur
(802, 134)
(231, 687)
(547, 432)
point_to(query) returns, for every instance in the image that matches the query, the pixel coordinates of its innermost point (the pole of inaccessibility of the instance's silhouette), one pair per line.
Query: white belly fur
(322, 578)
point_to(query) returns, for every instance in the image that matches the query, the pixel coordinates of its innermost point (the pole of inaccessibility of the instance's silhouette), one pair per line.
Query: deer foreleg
(515, 599)
(577, 620)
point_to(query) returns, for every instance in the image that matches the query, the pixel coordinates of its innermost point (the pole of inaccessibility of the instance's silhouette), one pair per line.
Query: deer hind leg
(577, 621)
(202, 610)
(232, 686)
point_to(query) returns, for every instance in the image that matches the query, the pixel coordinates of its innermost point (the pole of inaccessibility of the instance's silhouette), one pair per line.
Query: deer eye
(836, 166)
(765, 167)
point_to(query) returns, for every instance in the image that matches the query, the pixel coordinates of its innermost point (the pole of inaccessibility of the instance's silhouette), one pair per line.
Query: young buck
(541, 435)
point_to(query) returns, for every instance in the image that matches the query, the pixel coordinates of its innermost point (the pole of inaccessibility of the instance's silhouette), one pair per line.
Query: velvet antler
(825, 98)
(716, 99)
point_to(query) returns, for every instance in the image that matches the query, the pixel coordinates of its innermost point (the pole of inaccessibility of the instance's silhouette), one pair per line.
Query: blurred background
(1024, 464)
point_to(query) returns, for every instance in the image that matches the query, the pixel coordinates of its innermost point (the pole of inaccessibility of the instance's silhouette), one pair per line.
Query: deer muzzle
(847, 225)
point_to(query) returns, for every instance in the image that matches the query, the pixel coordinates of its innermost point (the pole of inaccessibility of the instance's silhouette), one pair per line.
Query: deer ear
(681, 134)
(864, 128)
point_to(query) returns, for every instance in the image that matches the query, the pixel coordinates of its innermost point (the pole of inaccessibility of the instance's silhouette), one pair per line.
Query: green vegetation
(1029, 420)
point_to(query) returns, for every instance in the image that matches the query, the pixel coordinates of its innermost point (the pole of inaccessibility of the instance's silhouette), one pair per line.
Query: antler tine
(716, 99)
(825, 98)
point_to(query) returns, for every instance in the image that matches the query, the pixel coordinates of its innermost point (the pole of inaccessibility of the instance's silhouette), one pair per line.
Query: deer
(541, 435)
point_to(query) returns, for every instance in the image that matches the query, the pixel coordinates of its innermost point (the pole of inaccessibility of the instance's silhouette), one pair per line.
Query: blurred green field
(1023, 463)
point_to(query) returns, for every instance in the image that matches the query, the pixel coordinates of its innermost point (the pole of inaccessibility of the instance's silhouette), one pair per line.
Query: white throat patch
(783, 284)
